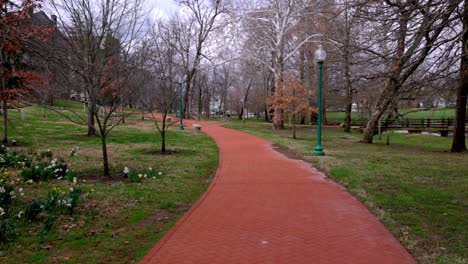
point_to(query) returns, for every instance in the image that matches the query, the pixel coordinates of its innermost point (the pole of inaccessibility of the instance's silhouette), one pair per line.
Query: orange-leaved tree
(18, 78)
(292, 97)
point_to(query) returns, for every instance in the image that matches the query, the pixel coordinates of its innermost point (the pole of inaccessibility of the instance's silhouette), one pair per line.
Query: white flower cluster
(66, 202)
(2, 212)
(73, 151)
(2, 189)
(53, 167)
(126, 170)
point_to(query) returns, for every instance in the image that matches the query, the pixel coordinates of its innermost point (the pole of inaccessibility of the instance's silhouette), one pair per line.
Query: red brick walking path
(265, 208)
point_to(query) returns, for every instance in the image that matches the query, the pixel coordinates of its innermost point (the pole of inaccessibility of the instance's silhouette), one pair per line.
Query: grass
(117, 221)
(414, 186)
(411, 114)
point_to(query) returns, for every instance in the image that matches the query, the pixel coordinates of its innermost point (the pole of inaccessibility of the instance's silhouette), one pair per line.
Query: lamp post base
(181, 127)
(318, 151)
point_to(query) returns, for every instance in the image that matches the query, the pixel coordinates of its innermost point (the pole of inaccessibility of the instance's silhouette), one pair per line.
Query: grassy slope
(118, 222)
(417, 189)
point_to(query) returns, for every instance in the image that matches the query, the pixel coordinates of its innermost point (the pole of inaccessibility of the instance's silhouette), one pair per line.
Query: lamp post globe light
(320, 56)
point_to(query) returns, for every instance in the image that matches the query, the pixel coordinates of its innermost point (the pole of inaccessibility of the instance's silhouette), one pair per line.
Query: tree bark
(383, 102)
(91, 110)
(105, 159)
(303, 119)
(347, 127)
(278, 117)
(294, 126)
(349, 88)
(5, 121)
(163, 142)
(458, 143)
(199, 102)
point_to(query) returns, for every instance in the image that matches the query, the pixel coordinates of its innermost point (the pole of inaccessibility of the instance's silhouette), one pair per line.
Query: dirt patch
(288, 152)
(98, 177)
(159, 152)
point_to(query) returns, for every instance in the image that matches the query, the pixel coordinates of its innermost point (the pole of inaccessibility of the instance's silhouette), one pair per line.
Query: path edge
(160, 244)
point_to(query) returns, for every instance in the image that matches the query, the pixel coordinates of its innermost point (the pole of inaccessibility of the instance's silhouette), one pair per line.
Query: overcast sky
(161, 8)
(165, 8)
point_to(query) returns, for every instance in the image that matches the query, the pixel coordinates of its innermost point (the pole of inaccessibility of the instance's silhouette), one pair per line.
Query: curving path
(265, 208)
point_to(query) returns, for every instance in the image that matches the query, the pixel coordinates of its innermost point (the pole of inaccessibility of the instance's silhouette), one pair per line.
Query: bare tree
(271, 26)
(193, 36)
(100, 36)
(416, 27)
(344, 35)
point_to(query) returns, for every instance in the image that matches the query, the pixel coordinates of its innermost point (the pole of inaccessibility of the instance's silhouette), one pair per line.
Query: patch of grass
(166, 204)
(437, 113)
(116, 221)
(432, 113)
(340, 116)
(414, 185)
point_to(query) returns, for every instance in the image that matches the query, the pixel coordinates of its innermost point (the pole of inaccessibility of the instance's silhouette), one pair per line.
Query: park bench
(442, 126)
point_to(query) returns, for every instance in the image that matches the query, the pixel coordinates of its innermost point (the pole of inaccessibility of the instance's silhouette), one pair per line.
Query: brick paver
(265, 208)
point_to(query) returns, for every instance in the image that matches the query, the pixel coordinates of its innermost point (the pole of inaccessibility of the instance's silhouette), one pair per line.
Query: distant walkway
(265, 208)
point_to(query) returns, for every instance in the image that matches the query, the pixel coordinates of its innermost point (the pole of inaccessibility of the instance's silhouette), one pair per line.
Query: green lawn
(414, 186)
(412, 114)
(117, 221)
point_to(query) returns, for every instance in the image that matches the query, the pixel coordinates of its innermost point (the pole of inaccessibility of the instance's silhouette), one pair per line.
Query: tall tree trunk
(91, 110)
(207, 102)
(278, 119)
(349, 88)
(5, 121)
(162, 131)
(224, 103)
(347, 127)
(458, 143)
(278, 114)
(241, 114)
(267, 119)
(381, 105)
(185, 112)
(302, 76)
(349, 92)
(105, 159)
(163, 142)
(303, 118)
(294, 126)
(199, 110)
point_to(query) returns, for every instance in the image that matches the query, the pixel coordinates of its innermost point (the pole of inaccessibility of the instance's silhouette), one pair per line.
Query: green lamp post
(320, 56)
(181, 125)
